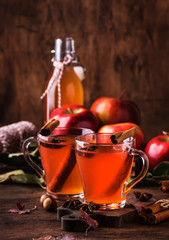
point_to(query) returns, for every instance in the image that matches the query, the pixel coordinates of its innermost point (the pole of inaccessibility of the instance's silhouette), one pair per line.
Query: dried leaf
(45, 238)
(20, 206)
(17, 159)
(87, 219)
(21, 209)
(6, 176)
(139, 206)
(18, 176)
(66, 237)
(26, 178)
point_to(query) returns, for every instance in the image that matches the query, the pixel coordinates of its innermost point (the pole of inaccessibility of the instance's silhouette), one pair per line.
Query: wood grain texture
(41, 223)
(122, 43)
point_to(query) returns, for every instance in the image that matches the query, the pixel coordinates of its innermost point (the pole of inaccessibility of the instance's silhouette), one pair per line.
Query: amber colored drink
(59, 163)
(103, 174)
(71, 91)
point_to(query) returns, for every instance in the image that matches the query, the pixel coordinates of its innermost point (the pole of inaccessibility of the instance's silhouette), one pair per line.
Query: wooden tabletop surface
(41, 223)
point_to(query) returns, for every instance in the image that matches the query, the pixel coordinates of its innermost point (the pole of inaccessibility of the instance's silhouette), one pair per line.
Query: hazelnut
(50, 204)
(42, 198)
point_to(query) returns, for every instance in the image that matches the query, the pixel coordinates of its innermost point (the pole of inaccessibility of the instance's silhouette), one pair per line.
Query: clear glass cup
(105, 168)
(59, 168)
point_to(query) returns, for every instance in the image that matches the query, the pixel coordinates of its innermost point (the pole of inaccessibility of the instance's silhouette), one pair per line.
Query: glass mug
(105, 168)
(57, 151)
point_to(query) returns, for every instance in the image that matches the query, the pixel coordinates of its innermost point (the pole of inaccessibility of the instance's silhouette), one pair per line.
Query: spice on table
(120, 136)
(153, 208)
(143, 197)
(48, 128)
(143, 217)
(164, 185)
(158, 217)
(155, 213)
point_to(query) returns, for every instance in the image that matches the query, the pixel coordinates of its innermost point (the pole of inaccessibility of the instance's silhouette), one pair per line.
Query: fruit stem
(165, 133)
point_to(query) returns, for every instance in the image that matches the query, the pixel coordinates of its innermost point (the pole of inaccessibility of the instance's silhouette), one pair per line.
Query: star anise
(72, 204)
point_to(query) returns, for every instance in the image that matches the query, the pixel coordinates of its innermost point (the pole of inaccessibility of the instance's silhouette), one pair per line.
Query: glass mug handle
(28, 158)
(145, 162)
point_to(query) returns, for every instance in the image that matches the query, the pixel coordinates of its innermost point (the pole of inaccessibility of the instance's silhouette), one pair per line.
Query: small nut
(42, 198)
(50, 204)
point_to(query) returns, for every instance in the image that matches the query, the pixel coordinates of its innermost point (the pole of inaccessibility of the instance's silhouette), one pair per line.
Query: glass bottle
(65, 84)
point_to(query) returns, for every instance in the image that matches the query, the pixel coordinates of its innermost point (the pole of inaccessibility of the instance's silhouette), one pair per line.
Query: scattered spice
(158, 217)
(76, 204)
(164, 185)
(48, 128)
(155, 213)
(72, 204)
(143, 197)
(86, 208)
(21, 209)
(153, 208)
(120, 136)
(89, 207)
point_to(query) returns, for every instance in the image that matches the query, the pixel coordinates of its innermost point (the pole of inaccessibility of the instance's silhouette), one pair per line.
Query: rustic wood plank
(42, 223)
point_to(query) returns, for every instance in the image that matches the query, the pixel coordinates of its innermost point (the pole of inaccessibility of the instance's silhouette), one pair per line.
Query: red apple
(114, 110)
(113, 128)
(157, 150)
(75, 116)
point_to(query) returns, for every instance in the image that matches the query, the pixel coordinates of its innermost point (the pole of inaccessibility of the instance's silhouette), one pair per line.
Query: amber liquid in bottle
(69, 90)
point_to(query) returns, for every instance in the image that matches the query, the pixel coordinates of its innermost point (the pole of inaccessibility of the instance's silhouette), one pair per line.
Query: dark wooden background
(124, 44)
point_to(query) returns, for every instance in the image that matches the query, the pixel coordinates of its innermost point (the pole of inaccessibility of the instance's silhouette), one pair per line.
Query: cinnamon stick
(153, 208)
(66, 165)
(164, 185)
(155, 213)
(48, 128)
(120, 136)
(143, 217)
(158, 217)
(121, 176)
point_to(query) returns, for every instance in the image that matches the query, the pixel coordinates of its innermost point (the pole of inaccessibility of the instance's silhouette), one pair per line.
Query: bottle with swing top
(65, 84)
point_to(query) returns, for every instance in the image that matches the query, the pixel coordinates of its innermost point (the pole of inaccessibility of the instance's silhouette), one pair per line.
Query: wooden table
(42, 223)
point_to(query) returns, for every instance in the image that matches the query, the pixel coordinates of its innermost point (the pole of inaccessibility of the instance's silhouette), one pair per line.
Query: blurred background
(123, 44)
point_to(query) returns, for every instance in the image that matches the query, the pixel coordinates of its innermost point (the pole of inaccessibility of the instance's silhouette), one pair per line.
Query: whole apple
(157, 150)
(113, 128)
(75, 116)
(114, 110)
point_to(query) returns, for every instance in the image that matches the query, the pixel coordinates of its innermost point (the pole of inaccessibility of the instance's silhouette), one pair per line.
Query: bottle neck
(63, 50)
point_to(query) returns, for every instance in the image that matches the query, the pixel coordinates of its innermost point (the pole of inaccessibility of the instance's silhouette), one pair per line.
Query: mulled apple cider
(57, 152)
(105, 168)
